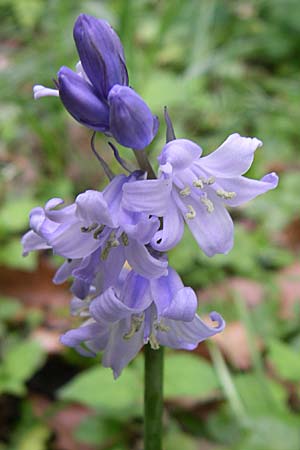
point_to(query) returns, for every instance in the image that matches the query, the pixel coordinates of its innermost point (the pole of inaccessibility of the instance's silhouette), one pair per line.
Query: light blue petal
(149, 196)
(119, 351)
(180, 154)
(233, 158)
(187, 335)
(143, 262)
(247, 189)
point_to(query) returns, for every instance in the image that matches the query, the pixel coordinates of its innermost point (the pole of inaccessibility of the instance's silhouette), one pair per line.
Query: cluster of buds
(115, 242)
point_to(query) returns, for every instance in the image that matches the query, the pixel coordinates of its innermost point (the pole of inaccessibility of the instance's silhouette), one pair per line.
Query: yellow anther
(208, 203)
(198, 183)
(135, 325)
(161, 327)
(89, 228)
(124, 239)
(98, 231)
(185, 192)
(225, 194)
(153, 342)
(191, 214)
(209, 180)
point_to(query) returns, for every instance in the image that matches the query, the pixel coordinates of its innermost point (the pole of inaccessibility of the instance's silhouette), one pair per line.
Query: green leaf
(11, 256)
(285, 360)
(260, 399)
(270, 433)
(35, 438)
(14, 214)
(96, 429)
(189, 376)
(20, 362)
(96, 388)
(9, 307)
(180, 441)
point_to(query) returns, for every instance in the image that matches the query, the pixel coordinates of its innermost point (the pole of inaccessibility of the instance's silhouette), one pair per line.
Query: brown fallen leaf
(37, 291)
(252, 292)
(233, 342)
(289, 290)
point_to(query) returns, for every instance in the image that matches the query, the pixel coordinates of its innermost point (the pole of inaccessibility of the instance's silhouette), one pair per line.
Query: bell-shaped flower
(197, 190)
(137, 311)
(97, 94)
(96, 235)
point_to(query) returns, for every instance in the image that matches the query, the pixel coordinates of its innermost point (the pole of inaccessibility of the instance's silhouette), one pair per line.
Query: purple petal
(139, 226)
(65, 271)
(92, 208)
(163, 290)
(149, 196)
(187, 335)
(247, 189)
(101, 53)
(119, 351)
(81, 100)
(59, 215)
(109, 308)
(183, 305)
(136, 292)
(113, 194)
(212, 230)
(70, 242)
(180, 153)
(142, 262)
(130, 119)
(92, 335)
(234, 157)
(32, 241)
(172, 231)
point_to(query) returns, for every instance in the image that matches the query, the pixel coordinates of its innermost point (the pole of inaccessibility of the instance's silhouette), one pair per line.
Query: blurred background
(220, 67)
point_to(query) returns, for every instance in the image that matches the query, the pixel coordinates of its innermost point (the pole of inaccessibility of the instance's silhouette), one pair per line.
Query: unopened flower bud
(130, 120)
(101, 53)
(80, 99)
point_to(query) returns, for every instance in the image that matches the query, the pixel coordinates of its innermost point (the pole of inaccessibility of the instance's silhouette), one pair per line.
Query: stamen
(209, 180)
(161, 327)
(110, 243)
(124, 239)
(198, 183)
(153, 342)
(208, 203)
(185, 192)
(225, 194)
(191, 214)
(135, 325)
(99, 231)
(204, 181)
(89, 228)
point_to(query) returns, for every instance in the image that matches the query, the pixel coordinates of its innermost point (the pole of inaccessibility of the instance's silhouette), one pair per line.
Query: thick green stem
(153, 398)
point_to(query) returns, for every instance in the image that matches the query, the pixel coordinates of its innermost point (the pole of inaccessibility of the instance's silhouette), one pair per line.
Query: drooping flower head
(135, 311)
(96, 235)
(197, 190)
(97, 95)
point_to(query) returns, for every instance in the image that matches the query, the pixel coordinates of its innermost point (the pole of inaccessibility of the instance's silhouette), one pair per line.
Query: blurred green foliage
(220, 67)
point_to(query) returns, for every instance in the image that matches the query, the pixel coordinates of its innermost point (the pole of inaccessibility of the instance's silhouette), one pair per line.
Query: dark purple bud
(80, 99)
(130, 120)
(101, 53)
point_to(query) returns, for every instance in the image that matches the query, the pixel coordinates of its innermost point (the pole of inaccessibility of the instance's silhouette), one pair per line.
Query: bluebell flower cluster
(114, 242)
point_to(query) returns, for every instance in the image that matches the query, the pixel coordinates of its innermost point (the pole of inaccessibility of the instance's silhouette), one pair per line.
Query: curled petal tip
(216, 317)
